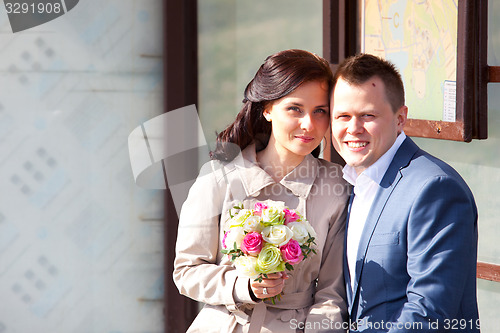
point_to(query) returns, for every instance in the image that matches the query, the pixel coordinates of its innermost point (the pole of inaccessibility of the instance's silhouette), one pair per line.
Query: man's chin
(354, 162)
(357, 164)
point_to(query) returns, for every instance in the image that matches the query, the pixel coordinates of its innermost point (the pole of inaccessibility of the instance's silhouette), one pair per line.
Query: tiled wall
(80, 244)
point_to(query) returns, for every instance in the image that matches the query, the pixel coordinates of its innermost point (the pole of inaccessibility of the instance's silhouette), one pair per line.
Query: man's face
(364, 126)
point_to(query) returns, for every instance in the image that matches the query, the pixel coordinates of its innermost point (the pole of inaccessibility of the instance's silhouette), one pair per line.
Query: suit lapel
(387, 185)
(347, 277)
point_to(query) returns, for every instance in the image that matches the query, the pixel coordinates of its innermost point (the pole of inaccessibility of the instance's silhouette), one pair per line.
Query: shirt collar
(300, 180)
(376, 171)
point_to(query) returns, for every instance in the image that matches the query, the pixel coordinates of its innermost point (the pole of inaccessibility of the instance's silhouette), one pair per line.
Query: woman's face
(299, 120)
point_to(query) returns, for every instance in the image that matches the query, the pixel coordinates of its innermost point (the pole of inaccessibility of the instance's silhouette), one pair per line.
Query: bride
(269, 152)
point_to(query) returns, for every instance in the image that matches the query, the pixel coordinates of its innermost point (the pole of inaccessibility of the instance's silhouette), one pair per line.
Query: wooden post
(180, 89)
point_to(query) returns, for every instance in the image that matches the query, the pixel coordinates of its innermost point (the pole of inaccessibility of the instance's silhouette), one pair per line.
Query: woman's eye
(325, 111)
(294, 108)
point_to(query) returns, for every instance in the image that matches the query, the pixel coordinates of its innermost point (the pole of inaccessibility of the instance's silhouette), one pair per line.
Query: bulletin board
(440, 49)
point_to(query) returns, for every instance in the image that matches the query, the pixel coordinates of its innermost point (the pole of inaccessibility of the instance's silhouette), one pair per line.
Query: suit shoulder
(427, 164)
(425, 167)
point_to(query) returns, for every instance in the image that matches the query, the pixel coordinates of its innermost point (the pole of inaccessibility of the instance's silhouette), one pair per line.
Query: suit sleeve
(197, 273)
(442, 252)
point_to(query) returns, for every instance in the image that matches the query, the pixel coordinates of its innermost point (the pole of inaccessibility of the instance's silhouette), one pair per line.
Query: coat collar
(299, 181)
(390, 180)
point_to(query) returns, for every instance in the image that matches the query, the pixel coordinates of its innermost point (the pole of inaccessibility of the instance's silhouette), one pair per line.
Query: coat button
(287, 316)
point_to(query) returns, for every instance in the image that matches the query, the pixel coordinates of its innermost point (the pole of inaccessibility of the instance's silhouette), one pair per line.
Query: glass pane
(488, 295)
(80, 244)
(235, 37)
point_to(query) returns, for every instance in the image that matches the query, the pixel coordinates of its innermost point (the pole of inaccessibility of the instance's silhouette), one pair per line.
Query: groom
(411, 239)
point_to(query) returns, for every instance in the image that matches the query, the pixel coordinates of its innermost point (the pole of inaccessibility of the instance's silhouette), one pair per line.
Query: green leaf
(259, 278)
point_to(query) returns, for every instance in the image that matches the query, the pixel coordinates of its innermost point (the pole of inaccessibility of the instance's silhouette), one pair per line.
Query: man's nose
(354, 126)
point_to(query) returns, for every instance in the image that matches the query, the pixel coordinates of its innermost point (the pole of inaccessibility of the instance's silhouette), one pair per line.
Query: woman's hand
(270, 286)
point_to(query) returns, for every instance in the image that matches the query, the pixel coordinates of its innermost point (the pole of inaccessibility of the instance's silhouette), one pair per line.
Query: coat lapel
(389, 182)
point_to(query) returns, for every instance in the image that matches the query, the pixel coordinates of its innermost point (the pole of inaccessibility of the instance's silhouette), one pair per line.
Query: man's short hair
(357, 69)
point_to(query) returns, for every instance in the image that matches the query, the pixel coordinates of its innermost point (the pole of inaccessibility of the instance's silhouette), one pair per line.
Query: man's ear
(402, 116)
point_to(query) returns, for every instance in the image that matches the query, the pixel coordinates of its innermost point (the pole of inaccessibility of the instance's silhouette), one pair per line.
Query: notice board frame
(342, 38)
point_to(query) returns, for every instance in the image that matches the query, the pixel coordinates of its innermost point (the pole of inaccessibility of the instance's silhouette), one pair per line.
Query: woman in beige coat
(266, 154)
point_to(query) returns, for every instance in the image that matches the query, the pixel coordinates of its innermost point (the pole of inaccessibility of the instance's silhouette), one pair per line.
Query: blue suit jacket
(416, 263)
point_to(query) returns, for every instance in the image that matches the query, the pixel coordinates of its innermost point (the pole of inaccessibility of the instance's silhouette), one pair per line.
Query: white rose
(245, 265)
(252, 223)
(279, 205)
(309, 228)
(277, 234)
(300, 232)
(234, 235)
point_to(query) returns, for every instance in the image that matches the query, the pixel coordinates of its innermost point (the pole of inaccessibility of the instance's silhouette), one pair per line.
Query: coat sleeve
(442, 252)
(197, 273)
(329, 311)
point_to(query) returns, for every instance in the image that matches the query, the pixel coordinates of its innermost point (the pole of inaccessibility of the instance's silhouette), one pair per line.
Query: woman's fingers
(274, 276)
(270, 286)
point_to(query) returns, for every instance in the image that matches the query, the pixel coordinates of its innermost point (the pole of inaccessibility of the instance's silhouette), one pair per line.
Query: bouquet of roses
(266, 239)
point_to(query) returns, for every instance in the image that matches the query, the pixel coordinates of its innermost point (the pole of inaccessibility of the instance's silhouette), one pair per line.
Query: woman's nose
(307, 122)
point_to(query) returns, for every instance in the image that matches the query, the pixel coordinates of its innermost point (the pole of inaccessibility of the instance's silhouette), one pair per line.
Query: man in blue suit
(411, 239)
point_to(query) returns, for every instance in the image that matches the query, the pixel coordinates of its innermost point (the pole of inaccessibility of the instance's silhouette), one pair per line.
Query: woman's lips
(304, 138)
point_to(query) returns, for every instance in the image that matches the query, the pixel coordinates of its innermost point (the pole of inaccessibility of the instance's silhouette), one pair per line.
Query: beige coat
(314, 295)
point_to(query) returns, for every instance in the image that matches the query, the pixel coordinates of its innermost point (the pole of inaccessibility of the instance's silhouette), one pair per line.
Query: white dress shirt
(365, 188)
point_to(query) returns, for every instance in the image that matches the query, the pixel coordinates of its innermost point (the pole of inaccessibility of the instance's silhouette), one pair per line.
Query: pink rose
(291, 252)
(252, 243)
(259, 206)
(290, 216)
(224, 239)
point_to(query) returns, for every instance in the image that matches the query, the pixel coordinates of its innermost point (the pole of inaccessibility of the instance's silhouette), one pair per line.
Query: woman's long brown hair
(281, 74)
